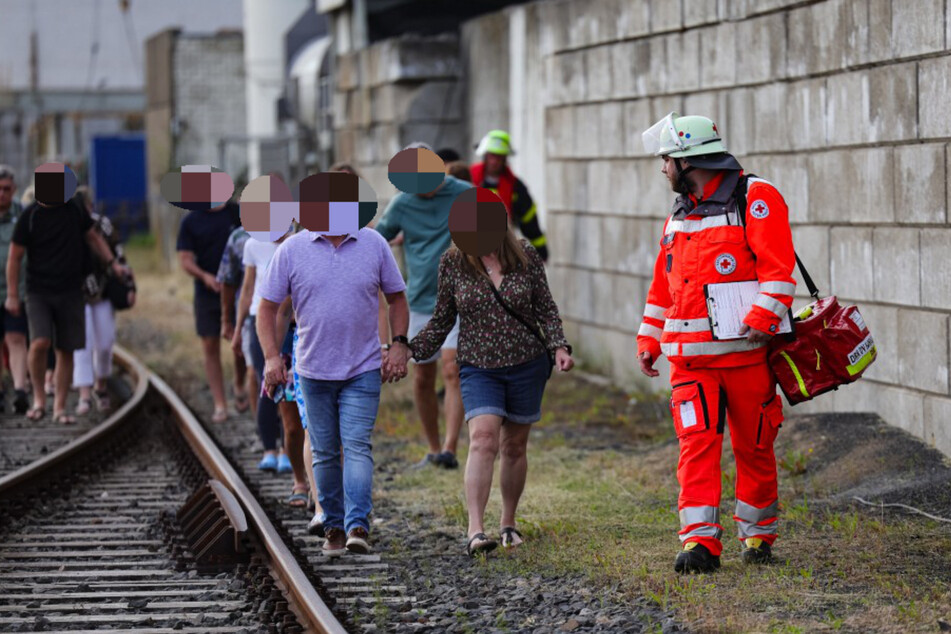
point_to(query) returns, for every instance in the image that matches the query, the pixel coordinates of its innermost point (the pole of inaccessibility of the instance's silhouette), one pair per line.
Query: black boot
(696, 557)
(756, 551)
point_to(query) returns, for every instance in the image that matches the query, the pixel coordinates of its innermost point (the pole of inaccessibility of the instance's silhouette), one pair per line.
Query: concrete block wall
(208, 81)
(391, 94)
(840, 103)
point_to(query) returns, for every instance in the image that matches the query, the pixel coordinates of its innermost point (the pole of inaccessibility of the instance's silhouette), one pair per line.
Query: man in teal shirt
(13, 327)
(424, 221)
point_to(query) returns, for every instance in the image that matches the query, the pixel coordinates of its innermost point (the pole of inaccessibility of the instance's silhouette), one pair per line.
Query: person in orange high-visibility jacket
(725, 226)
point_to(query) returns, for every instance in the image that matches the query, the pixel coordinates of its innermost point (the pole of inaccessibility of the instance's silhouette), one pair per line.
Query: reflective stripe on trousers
(751, 520)
(700, 521)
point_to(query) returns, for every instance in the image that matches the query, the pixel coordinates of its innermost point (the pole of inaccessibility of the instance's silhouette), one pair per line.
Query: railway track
(140, 524)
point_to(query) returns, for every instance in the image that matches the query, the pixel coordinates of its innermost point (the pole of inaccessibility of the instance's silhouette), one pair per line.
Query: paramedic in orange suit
(725, 226)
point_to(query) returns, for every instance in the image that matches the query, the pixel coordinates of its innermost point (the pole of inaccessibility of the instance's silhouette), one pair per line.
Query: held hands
(755, 336)
(394, 362)
(647, 364)
(227, 330)
(563, 360)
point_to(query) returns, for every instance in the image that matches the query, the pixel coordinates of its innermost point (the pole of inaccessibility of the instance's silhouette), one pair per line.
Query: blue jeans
(342, 413)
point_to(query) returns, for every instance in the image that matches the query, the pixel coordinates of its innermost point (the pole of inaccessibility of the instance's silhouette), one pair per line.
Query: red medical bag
(831, 346)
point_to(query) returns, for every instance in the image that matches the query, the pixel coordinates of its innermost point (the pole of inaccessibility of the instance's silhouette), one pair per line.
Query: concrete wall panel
(842, 104)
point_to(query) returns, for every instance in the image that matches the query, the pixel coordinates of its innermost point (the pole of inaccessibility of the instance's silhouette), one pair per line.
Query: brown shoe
(357, 541)
(335, 544)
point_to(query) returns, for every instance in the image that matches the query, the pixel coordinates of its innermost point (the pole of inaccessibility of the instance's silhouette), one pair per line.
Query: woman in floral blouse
(503, 366)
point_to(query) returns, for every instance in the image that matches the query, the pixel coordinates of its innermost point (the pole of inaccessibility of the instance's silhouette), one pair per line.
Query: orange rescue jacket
(706, 242)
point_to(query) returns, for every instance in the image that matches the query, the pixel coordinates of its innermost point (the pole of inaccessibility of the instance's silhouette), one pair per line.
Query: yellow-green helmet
(495, 142)
(680, 137)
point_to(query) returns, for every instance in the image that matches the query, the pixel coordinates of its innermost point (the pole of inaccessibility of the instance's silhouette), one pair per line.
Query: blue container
(118, 179)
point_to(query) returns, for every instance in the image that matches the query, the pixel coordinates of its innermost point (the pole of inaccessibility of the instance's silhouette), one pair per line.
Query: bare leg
(240, 373)
(513, 469)
(294, 442)
(16, 344)
(424, 391)
(309, 461)
(37, 358)
(254, 387)
(63, 376)
(453, 401)
(212, 350)
(483, 447)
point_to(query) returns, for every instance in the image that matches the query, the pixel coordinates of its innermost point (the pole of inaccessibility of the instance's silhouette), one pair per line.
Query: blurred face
(7, 189)
(494, 164)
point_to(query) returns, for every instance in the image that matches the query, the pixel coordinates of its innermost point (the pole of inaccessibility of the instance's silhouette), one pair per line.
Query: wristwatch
(401, 339)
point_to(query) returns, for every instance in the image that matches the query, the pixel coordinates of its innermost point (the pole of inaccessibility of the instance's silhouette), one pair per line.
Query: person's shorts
(417, 321)
(247, 332)
(60, 318)
(513, 392)
(207, 314)
(14, 323)
(298, 395)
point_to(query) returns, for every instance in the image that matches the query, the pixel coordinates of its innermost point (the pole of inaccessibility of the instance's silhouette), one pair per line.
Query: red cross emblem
(759, 209)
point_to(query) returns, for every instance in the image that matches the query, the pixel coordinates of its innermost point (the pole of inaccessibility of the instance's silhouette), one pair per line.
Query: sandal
(220, 416)
(241, 402)
(63, 418)
(510, 537)
(36, 412)
(84, 406)
(484, 546)
(102, 401)
(298, 499)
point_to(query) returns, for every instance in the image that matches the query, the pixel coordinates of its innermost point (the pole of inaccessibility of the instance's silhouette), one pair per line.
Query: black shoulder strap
(740, 195)
(533, 329)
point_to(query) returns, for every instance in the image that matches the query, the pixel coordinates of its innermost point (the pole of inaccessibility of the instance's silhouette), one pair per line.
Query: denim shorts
(513, 392)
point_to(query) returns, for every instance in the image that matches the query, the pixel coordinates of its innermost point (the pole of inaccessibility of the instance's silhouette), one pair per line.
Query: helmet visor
(662, 137)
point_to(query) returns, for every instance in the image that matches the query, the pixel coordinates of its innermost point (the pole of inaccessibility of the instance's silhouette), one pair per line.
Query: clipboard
(728, 303)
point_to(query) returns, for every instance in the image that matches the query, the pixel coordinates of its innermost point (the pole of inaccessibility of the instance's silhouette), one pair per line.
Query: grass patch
(601, 502)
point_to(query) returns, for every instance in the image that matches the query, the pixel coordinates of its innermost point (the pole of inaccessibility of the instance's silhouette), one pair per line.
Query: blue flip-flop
(268, 463)
(284, 464)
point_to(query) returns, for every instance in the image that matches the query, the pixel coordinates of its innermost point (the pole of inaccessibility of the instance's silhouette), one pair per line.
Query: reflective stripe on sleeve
(670, 349)
(771, 304)
(646, 330)
(530, 213)
(780, 288)
(687, 325)
(539, 241)
(653, 311)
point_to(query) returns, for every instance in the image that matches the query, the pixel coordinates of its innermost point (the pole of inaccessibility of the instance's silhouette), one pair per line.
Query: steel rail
(307, 605)
(49, 463)
(310, 609)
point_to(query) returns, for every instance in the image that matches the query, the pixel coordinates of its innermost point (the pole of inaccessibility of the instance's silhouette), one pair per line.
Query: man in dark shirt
(51, 234)
(201, 242)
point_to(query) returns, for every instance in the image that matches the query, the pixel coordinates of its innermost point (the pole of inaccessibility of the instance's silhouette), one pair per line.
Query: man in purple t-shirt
(333, 282)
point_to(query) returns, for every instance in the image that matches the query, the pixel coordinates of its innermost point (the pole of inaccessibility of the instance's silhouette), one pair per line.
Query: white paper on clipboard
(728, 304)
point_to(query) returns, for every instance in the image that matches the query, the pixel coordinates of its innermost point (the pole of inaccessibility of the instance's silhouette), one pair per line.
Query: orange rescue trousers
(703, 401)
